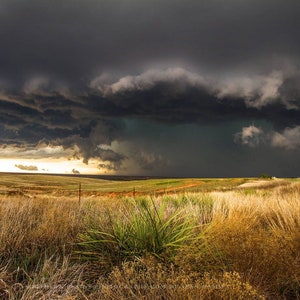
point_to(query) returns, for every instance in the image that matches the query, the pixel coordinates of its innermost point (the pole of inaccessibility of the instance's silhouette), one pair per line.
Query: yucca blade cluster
(150, 228)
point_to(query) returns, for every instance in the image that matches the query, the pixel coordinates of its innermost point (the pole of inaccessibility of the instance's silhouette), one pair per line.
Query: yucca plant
(145, 228)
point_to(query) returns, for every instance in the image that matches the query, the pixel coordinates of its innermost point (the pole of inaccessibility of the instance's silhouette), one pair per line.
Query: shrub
(149, 279)
(145, 228)
(265, 176)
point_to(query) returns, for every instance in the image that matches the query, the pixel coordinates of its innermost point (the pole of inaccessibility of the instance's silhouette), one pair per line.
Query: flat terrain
(37, 184)
(155, 238)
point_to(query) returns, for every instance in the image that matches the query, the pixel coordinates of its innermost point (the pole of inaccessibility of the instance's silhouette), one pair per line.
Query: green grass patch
(145, 229)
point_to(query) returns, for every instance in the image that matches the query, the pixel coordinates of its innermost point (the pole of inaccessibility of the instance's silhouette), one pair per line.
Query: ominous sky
(161, 87)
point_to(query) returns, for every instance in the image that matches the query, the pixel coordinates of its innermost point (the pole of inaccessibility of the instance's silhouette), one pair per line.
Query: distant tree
(265, 176)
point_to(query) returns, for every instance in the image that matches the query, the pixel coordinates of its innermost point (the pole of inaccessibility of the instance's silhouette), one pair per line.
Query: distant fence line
(81, 192)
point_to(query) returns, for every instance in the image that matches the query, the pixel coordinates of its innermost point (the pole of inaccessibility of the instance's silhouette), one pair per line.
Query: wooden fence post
(79, 192)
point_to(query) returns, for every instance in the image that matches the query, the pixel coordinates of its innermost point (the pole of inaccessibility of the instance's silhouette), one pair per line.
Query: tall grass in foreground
(30, 228)
(219, 245)
(144, 228)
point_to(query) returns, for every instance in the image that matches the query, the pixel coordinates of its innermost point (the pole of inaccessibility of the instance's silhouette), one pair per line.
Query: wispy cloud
(27, 168)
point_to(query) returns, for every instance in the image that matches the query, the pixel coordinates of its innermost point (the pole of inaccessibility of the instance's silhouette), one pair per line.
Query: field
(73, 237)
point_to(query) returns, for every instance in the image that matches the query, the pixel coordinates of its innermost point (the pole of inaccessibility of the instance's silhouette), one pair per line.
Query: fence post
(79, 192)
(134, 192)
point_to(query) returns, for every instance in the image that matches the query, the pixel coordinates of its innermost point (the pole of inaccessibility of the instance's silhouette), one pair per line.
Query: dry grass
(245, 245)
(258, 236)
(148, 279)
(29, 225)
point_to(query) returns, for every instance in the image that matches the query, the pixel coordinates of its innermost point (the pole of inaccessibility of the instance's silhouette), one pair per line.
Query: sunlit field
(71, 237)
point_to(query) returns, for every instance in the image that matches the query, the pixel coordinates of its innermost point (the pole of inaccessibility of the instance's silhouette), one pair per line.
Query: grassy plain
(232, 238)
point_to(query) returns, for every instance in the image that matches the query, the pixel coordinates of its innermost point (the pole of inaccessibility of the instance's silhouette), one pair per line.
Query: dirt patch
(259, 183)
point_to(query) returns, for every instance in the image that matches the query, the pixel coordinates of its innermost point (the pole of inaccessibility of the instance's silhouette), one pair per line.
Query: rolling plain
(77, 237)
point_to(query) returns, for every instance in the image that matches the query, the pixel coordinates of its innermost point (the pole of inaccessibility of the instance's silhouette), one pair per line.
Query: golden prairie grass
(255, 235)
(245, 244)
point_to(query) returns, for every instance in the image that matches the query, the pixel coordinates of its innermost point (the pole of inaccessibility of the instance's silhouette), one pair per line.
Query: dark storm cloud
(172, 96)
(75, 39)
(74, 72)
(179, 96)
(55, 125)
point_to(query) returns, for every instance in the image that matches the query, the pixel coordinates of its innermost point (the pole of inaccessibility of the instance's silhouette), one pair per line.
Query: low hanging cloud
(27, 168)
(257, 91)
(251, 136)
(110, 166)
(112, 160)
(150, 161)
(288, 139)
(180, 79)
(74, 171)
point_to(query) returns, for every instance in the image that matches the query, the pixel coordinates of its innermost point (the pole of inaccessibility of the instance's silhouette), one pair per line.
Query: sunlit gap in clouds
(54, 166)
(45, 159)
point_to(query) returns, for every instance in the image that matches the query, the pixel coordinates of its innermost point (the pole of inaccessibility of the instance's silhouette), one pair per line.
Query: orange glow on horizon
(56, 166)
